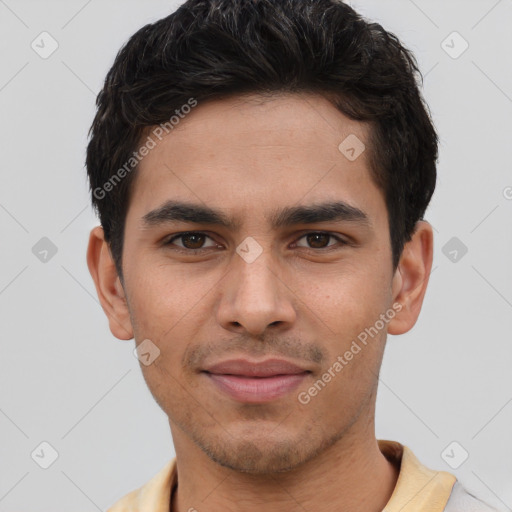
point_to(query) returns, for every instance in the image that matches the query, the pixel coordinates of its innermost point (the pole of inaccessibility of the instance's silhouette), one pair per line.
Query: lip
(246, 368)
(256, 382)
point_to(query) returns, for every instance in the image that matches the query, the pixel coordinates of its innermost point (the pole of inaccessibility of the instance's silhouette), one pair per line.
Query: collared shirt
(418, 488)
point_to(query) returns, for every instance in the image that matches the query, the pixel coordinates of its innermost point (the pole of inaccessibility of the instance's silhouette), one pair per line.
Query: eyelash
(170, 241)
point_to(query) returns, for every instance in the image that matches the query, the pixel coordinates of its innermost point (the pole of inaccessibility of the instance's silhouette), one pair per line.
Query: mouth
(256, 382)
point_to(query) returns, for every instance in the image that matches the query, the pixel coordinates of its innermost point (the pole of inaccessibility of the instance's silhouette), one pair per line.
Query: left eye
(318, 239)
(192, 241)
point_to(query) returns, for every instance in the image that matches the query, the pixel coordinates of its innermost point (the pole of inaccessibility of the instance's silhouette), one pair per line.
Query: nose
(254, 297)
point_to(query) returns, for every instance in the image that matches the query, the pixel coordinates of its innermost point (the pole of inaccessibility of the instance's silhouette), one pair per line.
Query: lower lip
(256, 389)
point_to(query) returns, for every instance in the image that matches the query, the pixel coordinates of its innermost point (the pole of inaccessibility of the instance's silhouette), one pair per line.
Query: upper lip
(266, 368)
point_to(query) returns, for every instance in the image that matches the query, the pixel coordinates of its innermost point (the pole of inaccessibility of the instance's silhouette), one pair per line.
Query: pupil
(192, 236)
(316, 236)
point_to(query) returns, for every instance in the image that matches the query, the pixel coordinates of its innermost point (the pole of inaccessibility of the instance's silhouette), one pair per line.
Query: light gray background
(66, 380)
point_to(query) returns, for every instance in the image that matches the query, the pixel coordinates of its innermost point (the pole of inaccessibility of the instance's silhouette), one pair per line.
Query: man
(261, 169)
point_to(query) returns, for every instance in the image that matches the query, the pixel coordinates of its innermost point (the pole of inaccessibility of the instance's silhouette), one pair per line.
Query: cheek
(162, 310)
(170, 309)
(161, 296)
(345, 301)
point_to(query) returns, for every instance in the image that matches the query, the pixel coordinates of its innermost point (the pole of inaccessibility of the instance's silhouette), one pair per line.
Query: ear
(108, 285)
(411, 278)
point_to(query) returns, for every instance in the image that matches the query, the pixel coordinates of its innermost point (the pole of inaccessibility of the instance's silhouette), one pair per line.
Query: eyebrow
(333, 211)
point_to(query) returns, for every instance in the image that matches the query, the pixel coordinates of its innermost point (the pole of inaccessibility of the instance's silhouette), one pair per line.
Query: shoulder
(154, 496)
(462, 501)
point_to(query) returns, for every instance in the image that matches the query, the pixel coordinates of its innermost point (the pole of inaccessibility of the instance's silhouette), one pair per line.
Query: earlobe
(411, 278)
(109, 288)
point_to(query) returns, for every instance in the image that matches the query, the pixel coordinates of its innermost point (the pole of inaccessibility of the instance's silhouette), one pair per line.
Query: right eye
(191, 241)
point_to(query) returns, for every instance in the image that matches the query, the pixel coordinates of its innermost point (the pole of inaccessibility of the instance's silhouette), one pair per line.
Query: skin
(302, 299)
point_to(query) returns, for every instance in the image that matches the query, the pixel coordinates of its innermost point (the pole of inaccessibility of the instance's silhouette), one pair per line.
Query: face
(279, 249)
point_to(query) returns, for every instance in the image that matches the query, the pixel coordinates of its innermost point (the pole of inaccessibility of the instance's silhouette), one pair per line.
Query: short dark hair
(212, 49)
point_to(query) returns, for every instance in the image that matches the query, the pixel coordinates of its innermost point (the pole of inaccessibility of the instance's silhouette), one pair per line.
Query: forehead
(248, 153)
(280, 119)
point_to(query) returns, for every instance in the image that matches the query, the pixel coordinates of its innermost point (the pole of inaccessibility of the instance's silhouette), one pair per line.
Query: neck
(351, 476)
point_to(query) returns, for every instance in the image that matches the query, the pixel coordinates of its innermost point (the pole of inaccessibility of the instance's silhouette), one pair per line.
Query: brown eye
(193, 241)
(320, 240)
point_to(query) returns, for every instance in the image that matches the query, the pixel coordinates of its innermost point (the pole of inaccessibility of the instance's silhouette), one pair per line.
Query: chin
(266, 454)
(252, 457)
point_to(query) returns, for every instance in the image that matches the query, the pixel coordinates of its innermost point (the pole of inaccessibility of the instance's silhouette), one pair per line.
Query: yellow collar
(418, 488)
